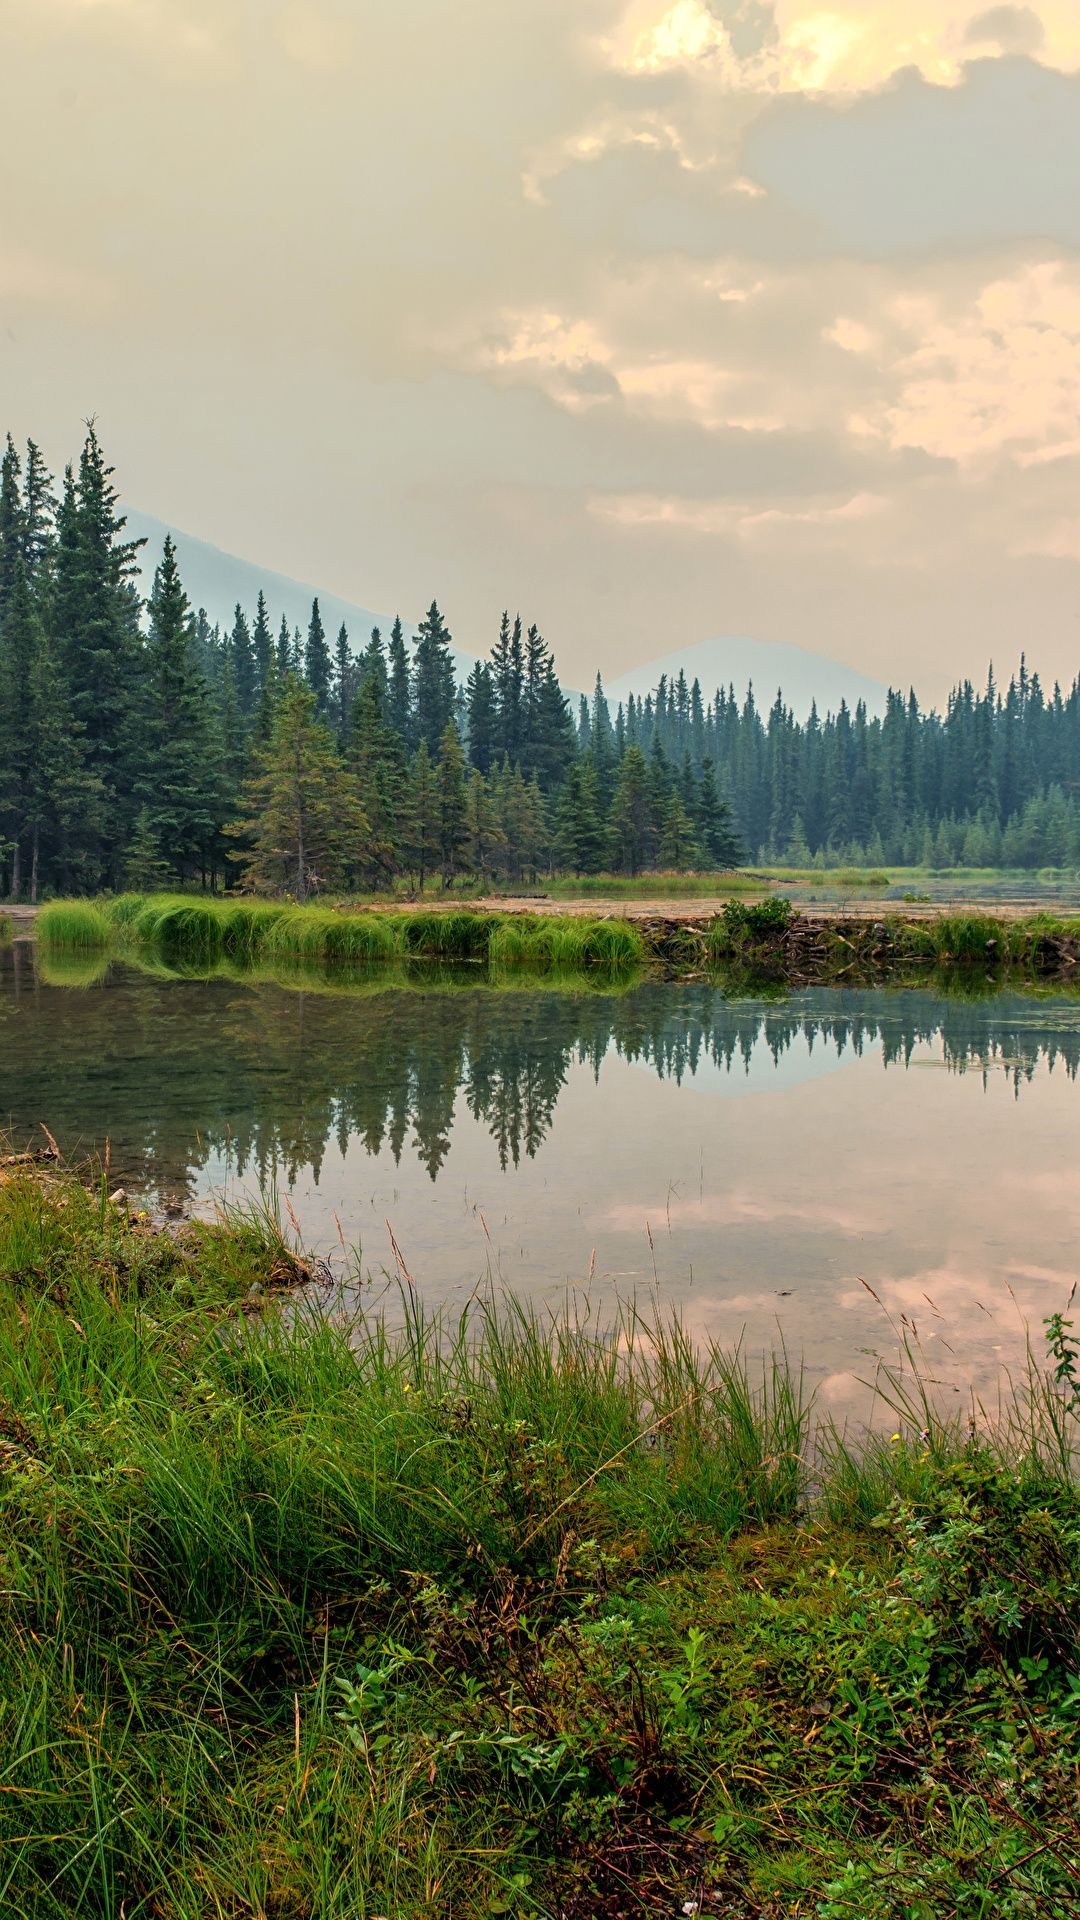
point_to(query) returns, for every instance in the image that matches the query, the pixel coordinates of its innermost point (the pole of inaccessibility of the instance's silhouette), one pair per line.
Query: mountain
(217, 580)
(769, 664)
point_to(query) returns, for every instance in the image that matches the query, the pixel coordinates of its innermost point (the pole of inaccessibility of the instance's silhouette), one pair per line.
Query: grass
(307, 1618)
(654, 886)
(7, 929)
(203, 932)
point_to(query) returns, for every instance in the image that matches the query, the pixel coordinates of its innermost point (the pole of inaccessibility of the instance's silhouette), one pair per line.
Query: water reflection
(179, 1072)
(753, 1162)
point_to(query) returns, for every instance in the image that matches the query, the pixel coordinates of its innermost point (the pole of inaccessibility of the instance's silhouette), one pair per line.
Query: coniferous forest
(141, 746)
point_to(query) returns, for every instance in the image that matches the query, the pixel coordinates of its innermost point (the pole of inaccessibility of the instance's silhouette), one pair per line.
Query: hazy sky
(660, 320)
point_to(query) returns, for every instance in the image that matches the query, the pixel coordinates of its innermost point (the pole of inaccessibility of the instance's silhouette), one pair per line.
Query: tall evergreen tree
(317, 661)
(433, 679)
(399, 686)
(262, 647)
(302, 821)
(96, 611)
(480, 697)
(453, 828)
(179, 795)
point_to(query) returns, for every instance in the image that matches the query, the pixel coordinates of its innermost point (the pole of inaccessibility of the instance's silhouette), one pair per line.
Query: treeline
(142, 746)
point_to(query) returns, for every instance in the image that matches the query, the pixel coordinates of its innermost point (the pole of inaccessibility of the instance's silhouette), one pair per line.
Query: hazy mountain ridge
(216, 580)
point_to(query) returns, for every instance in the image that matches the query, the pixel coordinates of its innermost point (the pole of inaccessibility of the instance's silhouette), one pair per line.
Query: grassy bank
(7, 929)
(204, 931)
(307, 1619)
(770, 936)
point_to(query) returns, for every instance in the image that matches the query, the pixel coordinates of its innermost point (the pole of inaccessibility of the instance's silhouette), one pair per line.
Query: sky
(658, 319)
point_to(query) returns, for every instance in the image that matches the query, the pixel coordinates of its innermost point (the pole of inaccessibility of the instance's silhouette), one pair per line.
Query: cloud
(723, 517)
(842, 47)
(1010, 29)
(997, 376)
(924, 169)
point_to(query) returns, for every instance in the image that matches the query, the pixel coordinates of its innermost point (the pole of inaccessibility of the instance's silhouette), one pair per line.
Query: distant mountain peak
(217, 580)
(769, 665)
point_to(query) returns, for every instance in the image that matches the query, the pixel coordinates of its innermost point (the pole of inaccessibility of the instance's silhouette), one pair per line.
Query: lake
(768, 1166)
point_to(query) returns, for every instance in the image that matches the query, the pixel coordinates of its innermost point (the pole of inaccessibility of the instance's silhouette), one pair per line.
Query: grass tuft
(519, 1613)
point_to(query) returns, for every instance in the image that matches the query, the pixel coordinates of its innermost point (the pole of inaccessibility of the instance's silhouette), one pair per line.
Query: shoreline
(769, 940)
(561, 1628)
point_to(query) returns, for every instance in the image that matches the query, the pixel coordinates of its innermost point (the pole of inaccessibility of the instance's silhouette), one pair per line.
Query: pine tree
(373, 757)
(713, 823)
(678, 848)
(262, 648)
(399, 687)
(147, 870)
(243, 665)
(373, 665)
(424, 815)
(480, 697)
(179, 792)
(452, 804)
(483, 837)
(508, 685)
(11, 523)
(344, 686)
(317, 662)
(433, 679)
(302, 822)
(631, 824)
(284, 661)
(96, 613)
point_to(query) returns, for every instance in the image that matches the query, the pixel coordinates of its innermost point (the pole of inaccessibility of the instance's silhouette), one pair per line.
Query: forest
(142, 746)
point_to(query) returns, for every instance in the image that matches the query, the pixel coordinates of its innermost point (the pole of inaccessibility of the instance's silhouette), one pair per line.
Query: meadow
(519, 1615)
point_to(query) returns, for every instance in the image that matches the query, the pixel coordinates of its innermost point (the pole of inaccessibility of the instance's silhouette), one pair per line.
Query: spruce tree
(423, 816)
(242, 656)
(96, 611)
(481, 722)
(284, 661)
(399, 687)
(262, 647)
(433, 678)
(631, 824)
(178, 792)
(483, 836)
(678, 848)
(452, 805)
(344, 686)
(317, 662)
(302, 824)
(372, 757)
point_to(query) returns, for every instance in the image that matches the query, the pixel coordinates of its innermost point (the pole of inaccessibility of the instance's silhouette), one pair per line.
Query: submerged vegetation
(303, 1617)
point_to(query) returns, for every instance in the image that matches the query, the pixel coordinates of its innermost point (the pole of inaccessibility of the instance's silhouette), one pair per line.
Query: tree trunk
(16, 870)
(34, 865)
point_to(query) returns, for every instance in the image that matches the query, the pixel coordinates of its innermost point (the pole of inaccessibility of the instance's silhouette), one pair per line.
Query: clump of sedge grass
(305, 1614)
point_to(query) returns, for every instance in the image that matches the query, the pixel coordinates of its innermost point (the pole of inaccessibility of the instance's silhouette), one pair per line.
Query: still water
(759, 1163)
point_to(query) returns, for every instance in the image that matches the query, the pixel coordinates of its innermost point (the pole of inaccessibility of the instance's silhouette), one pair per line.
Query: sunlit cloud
(846, 47)
(728, 519)
(998, 375)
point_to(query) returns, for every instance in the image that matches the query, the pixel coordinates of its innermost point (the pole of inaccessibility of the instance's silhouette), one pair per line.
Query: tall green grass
(303, 1614)
(7, 929)
(202, 932)
(76, 925)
